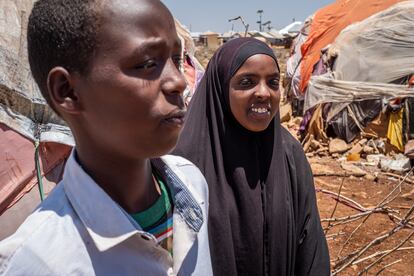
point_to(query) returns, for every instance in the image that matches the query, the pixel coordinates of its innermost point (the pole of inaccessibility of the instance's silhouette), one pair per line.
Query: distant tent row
(273, 37)
(350, 69)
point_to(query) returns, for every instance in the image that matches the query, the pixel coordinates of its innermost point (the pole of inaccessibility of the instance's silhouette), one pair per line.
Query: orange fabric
(411, 81)
(17, 166)
(328, 23)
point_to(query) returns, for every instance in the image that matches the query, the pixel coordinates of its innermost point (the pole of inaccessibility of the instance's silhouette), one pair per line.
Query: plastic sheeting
(354, 119)
(293, 62)
(17, 166)
(22, 106)
(19, 192)
(395, 130)
(292, 65)
(324, 89)
(378, 49)
(192, 69)
(328, 23)
(368, 54)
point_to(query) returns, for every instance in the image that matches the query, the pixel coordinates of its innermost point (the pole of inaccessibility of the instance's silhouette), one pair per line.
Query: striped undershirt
(158, 219)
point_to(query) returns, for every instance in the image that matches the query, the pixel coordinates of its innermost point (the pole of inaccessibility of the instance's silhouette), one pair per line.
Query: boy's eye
(149, 64)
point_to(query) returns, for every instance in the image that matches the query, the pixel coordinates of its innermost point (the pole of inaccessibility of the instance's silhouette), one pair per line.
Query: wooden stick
(343, 199)
(356, 255)
(388, 265)
(336, 205)
(376, 254)
(340, 174)
(385, 201)
(399, 177)
(359, 215)
(333, 236)
(386, 254)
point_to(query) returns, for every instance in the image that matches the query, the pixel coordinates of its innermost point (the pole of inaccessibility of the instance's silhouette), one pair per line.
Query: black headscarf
(252, 227)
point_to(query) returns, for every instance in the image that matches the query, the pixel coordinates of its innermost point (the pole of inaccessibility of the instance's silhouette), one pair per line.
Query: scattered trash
(353, 157)
(374, 159)
(399, 164)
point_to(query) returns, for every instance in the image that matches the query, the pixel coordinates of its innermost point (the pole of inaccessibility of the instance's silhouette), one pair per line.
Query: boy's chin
(165, 148)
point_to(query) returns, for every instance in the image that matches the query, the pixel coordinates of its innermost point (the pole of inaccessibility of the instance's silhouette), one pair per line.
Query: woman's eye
(245, 82)
(274, 82)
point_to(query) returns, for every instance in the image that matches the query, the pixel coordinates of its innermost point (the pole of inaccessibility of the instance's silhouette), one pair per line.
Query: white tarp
(324, 89)
(292, 27)
(293, 62)
(378, 49)
(22, 106)
(293, 65)
(369, 54)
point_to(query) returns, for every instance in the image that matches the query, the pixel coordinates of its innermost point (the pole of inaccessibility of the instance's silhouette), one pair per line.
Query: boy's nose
(173, 79)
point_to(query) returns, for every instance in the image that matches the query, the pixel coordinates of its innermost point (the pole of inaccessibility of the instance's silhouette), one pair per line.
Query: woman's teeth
(260, 110)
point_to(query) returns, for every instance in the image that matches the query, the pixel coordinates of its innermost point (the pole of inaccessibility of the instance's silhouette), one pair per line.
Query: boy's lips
(175, 117)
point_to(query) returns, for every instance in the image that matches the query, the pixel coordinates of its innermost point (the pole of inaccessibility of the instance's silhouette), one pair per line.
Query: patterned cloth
(158, 219)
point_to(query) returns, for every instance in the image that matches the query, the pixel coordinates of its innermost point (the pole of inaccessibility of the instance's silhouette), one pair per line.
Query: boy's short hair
(61, 33)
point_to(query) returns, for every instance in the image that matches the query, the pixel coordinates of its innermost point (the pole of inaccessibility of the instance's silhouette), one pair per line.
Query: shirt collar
(185, 203)
(103, 218)
(106, 222)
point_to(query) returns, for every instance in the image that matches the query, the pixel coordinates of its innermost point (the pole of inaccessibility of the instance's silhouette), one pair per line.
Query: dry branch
(388, 265)
(386, 254)
(380, 253)
(384, 202)
(336, 205)
(355, 255)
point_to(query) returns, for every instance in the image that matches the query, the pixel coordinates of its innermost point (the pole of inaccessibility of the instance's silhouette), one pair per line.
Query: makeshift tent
(371, 61)
(366, 56)
(22, 106)
(293, 62)
(25, 121)
(293, 28)
(19, 190)
(192, 69)
(328, 23)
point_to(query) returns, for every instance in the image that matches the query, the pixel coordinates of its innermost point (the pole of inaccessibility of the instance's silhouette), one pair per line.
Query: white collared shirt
(80, 230)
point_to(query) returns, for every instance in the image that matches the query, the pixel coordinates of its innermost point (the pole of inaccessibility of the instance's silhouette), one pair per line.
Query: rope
(38, 172)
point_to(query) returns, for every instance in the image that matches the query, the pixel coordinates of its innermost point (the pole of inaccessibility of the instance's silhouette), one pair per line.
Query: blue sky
(213, 15)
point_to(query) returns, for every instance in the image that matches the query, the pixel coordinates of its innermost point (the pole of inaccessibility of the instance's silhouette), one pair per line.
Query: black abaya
(263, 217)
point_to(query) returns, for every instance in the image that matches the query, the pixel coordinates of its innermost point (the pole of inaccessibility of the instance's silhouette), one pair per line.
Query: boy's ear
(60, 84)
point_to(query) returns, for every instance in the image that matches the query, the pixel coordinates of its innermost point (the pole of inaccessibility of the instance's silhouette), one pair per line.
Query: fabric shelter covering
(328, 22)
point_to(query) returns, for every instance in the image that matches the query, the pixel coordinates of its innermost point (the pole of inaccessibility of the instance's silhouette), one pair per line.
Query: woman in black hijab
(263, 217)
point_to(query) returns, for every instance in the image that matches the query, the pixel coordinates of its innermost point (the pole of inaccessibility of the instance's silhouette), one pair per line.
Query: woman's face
(254, 92)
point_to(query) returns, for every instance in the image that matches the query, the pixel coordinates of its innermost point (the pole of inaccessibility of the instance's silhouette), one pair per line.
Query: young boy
(111, 70)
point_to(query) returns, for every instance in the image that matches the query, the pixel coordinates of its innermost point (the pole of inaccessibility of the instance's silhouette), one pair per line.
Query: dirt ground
(368, 193)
